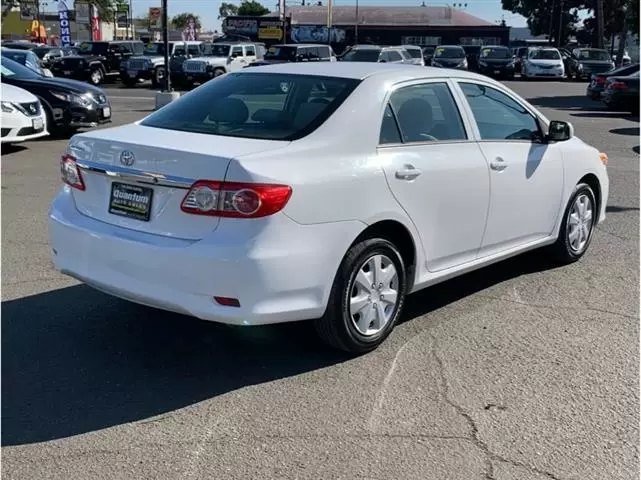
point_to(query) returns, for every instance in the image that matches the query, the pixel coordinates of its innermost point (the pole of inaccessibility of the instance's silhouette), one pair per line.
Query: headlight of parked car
(85, 100)
(8, 107)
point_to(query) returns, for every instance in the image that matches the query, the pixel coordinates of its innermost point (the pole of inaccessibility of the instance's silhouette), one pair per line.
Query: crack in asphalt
(560, 307)
(620, 237)
(475, 437)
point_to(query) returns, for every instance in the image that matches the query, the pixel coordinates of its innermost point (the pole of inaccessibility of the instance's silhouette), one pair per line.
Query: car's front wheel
(367, 297)
(96, 77)
(578, 225)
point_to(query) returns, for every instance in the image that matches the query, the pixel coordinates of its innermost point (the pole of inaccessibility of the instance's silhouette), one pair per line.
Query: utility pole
(599, 24)
(551, 22)
(560, 34)
(165, 35)
(356, 26)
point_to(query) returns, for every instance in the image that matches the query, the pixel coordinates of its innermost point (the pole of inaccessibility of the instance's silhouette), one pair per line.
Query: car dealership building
(423, 25)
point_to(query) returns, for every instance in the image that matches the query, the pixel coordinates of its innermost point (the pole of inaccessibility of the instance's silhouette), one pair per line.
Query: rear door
(436, 171)
(238, 60)
(250, 53)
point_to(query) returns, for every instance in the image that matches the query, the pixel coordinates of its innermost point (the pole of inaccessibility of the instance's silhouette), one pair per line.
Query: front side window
(424, 113)
(193, 50)
(394, 56)
(264, 106)
(237, 52)
(498, 116)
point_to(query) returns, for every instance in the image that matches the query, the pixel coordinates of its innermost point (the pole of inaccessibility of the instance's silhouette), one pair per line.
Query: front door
(436, 171)
(526, 174)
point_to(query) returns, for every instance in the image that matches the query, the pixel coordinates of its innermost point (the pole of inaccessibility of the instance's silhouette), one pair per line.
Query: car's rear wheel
(366, 299)
(577, 226)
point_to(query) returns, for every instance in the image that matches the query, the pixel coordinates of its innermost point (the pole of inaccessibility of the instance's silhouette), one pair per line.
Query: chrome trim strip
(137, 176)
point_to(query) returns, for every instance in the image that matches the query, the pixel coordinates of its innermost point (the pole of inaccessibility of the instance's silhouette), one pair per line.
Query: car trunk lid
(136, 177)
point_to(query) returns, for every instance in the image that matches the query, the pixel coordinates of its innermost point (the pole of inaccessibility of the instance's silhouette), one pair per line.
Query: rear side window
(250, 50)
(424, 113)
(266, 106)
(138, 48)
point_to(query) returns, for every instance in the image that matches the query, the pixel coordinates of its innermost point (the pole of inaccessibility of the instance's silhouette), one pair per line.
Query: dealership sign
(65, 25)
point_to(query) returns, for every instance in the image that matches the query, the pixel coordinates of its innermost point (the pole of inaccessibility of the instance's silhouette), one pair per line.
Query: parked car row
(618, 88)
(35, 105)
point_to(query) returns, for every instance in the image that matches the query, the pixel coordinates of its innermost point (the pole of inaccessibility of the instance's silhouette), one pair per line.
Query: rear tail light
(236, 200)
(618, 86)
(71, 173)
(599, 80)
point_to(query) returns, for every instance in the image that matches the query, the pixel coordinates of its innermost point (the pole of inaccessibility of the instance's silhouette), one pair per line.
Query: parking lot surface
(516, 372)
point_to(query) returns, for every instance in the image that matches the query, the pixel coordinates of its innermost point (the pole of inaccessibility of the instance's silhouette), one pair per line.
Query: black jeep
(97, 60)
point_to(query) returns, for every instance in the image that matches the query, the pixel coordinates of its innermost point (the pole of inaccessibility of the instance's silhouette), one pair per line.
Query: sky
(489, 10)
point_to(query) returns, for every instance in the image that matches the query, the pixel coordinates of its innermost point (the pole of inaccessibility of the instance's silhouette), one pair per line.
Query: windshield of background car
(92, 48)
(362, 55)
(15, 70)
(157, 48)
(545, 55)
(496, 52)
(41, 52)
(280, 53)
(19, 57)
(266, 106)
(414, 52)
(213, 50)
(599, 55)
(449, 52)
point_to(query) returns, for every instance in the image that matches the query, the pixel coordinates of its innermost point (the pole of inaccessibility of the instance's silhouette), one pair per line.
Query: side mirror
(559, 131)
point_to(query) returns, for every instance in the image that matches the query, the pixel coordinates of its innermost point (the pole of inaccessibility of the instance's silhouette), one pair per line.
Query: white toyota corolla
(321, 191)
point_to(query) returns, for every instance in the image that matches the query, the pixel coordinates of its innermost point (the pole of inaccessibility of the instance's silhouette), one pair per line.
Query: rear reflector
(70, 172)
(227, 301)
(236, 200)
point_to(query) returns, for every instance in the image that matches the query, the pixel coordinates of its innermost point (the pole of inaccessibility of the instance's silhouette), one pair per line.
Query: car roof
(451, 46)
(361, 70)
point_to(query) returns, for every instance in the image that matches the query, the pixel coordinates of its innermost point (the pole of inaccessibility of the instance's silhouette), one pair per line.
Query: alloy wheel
(580, 222)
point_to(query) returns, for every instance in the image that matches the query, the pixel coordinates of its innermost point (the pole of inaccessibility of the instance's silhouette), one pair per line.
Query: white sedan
(22, 115)
(321, 191)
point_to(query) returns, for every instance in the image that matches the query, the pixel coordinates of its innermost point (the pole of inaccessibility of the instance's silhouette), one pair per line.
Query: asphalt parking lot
(516, 372)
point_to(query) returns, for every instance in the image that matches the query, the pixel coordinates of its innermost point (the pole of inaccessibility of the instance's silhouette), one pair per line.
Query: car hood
(11, 93)
(64, 84)
(211, 60)
(496, 61)
(449, 61)
(545, 63)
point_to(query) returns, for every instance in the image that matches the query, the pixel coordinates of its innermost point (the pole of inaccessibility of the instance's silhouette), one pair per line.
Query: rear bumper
(278, 270)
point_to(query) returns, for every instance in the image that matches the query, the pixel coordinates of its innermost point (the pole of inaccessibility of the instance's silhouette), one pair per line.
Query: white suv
(217, 59)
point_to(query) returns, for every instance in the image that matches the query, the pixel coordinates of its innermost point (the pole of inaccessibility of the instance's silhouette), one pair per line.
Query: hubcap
(95, 76)
(580, 223)
(373, 295)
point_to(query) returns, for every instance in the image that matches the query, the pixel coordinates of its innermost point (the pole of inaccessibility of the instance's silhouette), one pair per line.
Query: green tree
(252, 8)
(180, 21)
(544, 17)
(227, 10)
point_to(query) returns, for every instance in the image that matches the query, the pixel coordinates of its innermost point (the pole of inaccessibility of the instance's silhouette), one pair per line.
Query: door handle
(409, 172)
(498, 164)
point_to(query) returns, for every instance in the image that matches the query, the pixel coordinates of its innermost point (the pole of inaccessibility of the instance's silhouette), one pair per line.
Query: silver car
(416, 53)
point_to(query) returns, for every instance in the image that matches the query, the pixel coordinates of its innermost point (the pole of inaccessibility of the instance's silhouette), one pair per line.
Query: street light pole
(560, 34)
(165, 34)
(356, 26)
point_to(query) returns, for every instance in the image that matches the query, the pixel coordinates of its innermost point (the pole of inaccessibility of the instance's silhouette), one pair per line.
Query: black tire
(561, 250)
(218, 72)
(129, 82)
(96, 76)
(158, 78)
(336, 326)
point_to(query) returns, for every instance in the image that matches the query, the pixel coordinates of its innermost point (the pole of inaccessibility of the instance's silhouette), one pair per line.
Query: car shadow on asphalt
(581, 106)
(9, 148)
(76, 360)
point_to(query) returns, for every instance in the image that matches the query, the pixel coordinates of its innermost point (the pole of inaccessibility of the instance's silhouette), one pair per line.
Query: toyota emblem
(127, 158)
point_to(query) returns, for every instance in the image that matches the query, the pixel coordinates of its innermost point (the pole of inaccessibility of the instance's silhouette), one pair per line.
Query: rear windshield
(362, 55)
(599, 55)
(449, 52)
(92, 48)
(496, 52)
(265, 106)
